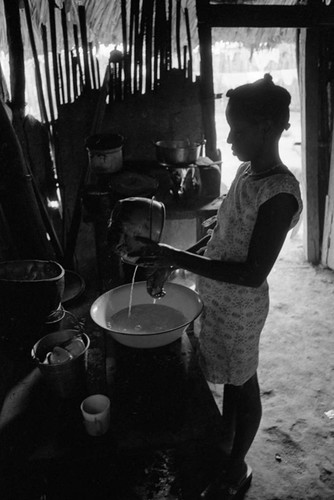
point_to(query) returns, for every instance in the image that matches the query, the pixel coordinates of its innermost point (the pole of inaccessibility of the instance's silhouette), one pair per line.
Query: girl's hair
(262, 100)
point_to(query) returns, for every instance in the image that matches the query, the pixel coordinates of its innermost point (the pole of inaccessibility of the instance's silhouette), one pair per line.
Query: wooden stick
(178, 27)
(62, 90)
(148, 44)
(16, 55)
(156, 49)
(54, 51)
(98, 72)
(141, 35)
(78, 60)
(83, 31)
(185, 59)
(66, 53)
(47, 72)
(74, 74)
(92, 68)
(190, 66)
(163, 39)
(169, 35)
(18, 199)
(136, 46)
(39, 85)
(126, 62)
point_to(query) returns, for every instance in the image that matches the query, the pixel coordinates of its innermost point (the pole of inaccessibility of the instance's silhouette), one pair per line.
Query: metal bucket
(67, 379)
(105, 153)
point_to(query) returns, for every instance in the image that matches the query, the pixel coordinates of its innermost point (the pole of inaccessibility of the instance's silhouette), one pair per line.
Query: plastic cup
(96, 414)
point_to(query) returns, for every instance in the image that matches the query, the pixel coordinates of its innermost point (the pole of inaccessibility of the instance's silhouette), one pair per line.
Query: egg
(75, 347)
(59, 355)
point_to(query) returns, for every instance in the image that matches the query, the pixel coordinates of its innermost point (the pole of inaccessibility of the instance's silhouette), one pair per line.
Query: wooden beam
(310, 105)
(207, 86)
(245, 15)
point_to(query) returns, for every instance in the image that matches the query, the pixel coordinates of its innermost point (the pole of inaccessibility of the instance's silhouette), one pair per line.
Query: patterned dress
(234, 315)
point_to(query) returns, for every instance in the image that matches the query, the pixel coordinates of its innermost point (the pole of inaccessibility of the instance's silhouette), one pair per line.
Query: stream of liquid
(131, 291)
(145, 318)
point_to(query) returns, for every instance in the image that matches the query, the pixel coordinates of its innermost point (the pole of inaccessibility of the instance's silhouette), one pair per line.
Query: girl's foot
(225, 487)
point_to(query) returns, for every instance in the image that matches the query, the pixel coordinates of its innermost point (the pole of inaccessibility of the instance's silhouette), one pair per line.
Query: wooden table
(163, 437)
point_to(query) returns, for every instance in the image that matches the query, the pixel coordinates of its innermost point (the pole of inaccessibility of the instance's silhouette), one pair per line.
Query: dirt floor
(293, 455)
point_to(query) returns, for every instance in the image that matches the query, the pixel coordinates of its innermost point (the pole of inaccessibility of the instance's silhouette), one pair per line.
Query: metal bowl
(177, 152)
(178, 297)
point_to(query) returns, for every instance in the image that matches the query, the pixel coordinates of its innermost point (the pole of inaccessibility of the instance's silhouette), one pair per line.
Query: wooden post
(16, 56)
(309, 83)
(18, 199)
(206, 81)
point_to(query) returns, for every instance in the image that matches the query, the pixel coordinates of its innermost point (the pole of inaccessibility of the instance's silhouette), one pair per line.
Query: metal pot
(177, 152)
(132, 217)
(105, 153)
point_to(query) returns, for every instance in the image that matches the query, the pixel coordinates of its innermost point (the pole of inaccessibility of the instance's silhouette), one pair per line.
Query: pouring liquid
(131, 291)
(146, 318)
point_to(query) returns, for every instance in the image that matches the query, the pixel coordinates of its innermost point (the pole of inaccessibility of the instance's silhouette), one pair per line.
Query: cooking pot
(105, 153)
(30, 287)
(177, 152)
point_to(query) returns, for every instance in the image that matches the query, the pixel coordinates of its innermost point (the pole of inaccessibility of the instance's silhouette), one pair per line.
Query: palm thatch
(104, 22)
(103, 19)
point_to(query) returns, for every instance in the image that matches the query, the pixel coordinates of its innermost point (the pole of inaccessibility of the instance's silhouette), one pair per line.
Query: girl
(262, 205)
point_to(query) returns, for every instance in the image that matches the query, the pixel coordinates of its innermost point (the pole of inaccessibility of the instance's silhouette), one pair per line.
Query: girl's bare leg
(242, 413)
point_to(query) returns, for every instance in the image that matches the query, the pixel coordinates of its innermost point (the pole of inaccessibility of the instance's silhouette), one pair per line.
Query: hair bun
(267, 78)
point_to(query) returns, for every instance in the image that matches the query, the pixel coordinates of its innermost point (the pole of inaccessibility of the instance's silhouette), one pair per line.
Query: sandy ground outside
(292, 456)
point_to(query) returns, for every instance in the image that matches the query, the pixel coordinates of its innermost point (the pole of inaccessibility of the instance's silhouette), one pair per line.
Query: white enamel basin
(177, 296)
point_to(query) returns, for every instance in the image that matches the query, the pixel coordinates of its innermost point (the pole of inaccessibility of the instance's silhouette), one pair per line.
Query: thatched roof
(104, 22)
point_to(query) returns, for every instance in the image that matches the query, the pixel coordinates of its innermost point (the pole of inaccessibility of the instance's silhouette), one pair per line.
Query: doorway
(237, 63)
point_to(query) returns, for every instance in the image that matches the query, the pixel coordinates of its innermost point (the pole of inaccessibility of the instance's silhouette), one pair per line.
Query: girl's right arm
(272, 225)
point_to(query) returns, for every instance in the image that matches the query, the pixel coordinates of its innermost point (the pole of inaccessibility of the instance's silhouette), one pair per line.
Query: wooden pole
(54, 51)
(206, 82)
(178, 29)
(84, 43)
(47, 72)
(310, 146)
(18, 199)
(39, 84)
(66, 53)
(16, 55)
(78, 59)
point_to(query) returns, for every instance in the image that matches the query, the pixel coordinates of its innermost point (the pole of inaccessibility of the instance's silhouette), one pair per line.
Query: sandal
(222, 490)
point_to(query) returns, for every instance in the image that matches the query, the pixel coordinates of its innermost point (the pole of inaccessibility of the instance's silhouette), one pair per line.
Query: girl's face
(247, 138)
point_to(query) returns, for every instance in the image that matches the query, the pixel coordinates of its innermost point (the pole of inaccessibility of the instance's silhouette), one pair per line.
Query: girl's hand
(153, 254)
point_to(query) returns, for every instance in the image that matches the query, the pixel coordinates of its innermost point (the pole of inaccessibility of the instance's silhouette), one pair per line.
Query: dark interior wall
(171, 112)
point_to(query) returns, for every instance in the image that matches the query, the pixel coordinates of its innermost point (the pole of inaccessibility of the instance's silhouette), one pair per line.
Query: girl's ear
(268, 125)
(268, 128)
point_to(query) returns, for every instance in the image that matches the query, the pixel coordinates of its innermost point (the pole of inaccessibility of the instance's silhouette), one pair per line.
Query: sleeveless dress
(234, 315)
